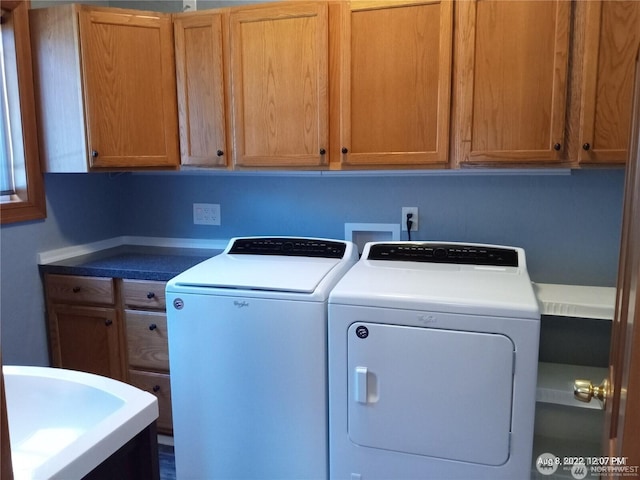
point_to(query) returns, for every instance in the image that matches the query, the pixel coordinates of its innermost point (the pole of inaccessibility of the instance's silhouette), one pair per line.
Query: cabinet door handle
(150, 295)
(153, 326)
(75, 289)
(345, 150)
(322, 151)
(108, 322)
(220, 153)
(586, 146)
(94, 153)
(156, 388)
(557, 147)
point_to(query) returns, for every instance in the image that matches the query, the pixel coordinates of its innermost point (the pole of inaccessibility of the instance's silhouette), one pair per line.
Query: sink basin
(64, 423)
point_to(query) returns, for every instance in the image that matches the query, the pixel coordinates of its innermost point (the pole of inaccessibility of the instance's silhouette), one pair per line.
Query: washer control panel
(292, 247)
(444, 253)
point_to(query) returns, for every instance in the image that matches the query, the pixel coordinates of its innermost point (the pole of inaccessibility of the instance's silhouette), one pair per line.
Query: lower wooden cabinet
(147, 342)
(145, 317)
(87, 339)
(85, 331)
(158, 384)
(112, 327)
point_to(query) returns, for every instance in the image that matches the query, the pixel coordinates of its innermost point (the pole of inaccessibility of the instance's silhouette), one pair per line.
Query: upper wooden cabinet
(510, 81)
(611, 39)
(202, 78)
(279, 76)
(394, 83)
(105, 88)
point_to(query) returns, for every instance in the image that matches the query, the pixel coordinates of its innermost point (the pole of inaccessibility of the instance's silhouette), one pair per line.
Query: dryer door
(424, 391)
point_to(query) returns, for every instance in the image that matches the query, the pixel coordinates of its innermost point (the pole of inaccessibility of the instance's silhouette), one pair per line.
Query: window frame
(28, 202)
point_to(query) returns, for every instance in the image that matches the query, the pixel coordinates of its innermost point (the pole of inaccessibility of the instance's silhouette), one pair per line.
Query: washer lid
(258, 272)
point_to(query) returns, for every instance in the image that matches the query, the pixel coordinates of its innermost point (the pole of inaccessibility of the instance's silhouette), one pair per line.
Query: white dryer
(248, 356)
(433, 353)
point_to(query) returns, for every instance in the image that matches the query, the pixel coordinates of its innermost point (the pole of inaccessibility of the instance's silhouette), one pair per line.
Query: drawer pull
(75, 289)
(150, 295)
(108, 322)
(153, 326)
(156, 388)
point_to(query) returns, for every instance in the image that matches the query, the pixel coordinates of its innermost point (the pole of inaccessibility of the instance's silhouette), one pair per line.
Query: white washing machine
(433, 352)
(248, 356)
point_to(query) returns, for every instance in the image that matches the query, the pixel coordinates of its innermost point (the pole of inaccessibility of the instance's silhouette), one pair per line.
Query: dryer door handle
(361, 388)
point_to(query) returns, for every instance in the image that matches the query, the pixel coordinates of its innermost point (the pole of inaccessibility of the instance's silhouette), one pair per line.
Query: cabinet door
(511, 81)
(612, 35)
(129, 88)
(395, 85)
(280, 80)
(200, 48)
(86, 339)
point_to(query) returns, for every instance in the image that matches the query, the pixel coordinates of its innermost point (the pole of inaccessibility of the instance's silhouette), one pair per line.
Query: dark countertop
(132, 261)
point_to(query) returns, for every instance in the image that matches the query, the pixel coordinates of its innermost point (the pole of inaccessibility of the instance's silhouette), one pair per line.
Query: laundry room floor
(167, 458)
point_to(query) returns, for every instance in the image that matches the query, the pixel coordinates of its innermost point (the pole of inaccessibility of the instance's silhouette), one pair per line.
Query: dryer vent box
(361, 233)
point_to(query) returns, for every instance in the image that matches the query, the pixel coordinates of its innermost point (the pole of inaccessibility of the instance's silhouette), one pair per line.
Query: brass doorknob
(584, 391)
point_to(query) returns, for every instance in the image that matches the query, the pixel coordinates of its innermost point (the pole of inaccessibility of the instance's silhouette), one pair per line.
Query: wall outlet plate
(414, 218)
(189, 5)
(206, 214)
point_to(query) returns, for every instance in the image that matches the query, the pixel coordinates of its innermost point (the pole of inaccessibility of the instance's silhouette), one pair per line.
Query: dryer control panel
(455, 253)
(292, 247)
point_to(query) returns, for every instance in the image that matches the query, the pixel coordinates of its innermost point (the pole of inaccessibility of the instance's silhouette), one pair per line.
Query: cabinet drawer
(159, 385)
(147, 340)
(143, 294)
(76, 289)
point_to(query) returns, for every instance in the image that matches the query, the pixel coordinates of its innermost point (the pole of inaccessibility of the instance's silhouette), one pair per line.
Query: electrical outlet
(206, 214)
(414, 218)
(189, 5)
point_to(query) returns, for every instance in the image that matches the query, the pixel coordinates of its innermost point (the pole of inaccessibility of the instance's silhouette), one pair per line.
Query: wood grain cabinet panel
(144, 294)
(85, 331)
(86, 339)
(511, 81)
(158, 384)
(395, 83)
(113, 105)
(78, 289)
(611, 39)
(279, 75)
(147, 340)
(202, 79)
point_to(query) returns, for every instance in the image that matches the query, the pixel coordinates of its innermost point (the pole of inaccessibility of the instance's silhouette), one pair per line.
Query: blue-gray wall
(569, 225)
(80, 209)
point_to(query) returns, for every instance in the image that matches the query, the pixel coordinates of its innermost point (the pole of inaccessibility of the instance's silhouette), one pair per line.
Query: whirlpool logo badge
(427, 318)
(240, 303)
